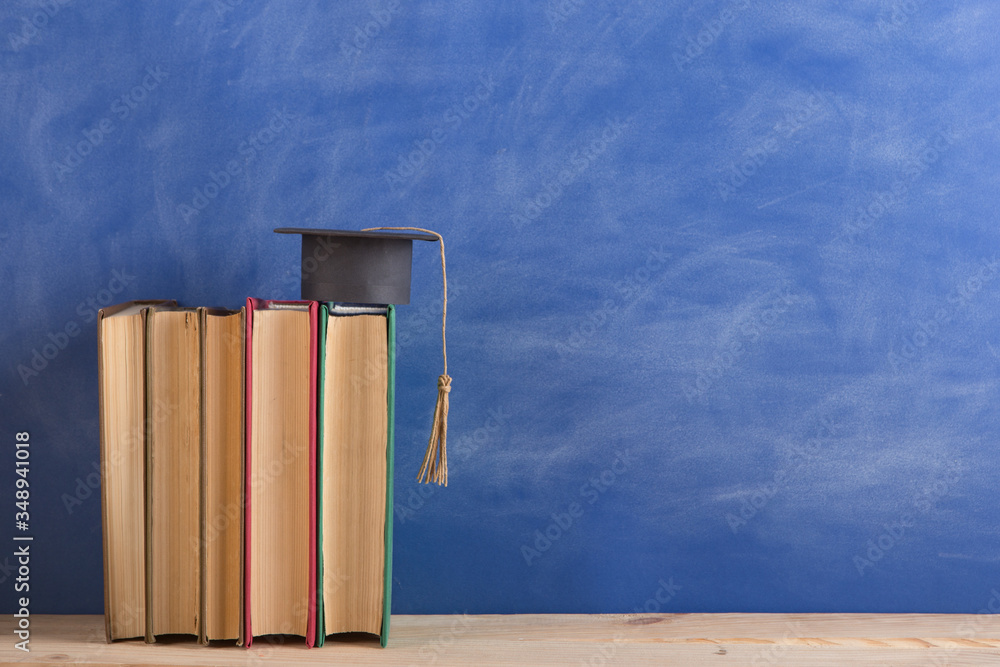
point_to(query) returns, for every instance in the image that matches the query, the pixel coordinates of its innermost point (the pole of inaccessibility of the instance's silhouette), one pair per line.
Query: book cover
(389, 454)
(324, 315)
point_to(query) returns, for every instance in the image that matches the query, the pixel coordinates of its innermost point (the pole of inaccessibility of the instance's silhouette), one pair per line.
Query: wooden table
(606, 639)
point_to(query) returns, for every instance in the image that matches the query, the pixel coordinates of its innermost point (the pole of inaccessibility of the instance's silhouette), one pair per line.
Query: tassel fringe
(435, 466)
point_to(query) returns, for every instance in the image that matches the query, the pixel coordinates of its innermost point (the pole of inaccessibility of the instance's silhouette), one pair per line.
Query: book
(171, 397)
(121, 372)
(248, 461)
(222, 473)
(280, 482)
(173, 471)
(354, 457)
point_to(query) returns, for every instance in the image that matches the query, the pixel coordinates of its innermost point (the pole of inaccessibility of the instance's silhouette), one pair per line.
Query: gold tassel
(435, 466)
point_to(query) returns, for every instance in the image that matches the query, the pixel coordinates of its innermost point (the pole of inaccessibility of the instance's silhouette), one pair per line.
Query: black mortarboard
(356, 267)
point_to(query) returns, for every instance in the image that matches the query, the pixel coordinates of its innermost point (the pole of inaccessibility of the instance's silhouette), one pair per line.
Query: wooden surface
(622, 639)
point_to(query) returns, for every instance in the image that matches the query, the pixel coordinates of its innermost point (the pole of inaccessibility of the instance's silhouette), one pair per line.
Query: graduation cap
(373, 266)
(357, 267)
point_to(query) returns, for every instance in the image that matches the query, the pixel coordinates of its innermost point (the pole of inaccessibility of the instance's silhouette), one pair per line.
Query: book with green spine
(355, 414)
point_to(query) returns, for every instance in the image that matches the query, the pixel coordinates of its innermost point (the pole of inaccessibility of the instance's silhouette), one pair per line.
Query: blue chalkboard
(724, 293)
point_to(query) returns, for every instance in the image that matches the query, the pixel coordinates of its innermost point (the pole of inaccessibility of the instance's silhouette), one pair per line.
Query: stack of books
(247, 469)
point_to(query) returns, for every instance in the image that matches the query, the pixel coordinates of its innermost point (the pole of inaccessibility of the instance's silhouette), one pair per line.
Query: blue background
(748, 247)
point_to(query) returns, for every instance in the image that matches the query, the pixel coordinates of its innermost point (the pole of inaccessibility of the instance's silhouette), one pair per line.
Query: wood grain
(612, 639)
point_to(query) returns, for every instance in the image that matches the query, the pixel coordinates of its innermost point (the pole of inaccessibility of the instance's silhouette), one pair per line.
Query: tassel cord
(434, 468)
